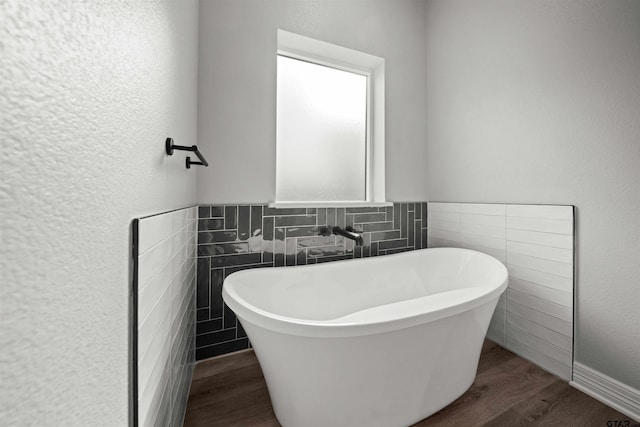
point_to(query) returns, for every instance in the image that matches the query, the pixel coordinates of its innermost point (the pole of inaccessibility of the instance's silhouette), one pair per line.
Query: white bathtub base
(384, 341)
(388, 379)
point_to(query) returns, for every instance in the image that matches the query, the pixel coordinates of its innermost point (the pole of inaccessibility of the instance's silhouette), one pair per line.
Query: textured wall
(88, 93)
(237, 87)
(538, 102)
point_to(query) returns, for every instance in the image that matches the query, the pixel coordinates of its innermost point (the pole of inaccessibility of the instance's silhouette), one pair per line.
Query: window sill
(282, 205)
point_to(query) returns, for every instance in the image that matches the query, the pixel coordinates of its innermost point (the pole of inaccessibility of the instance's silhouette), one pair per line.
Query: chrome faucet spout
(349, 233)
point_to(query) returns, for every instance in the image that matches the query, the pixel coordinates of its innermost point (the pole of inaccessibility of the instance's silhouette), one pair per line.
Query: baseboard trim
(611, 392)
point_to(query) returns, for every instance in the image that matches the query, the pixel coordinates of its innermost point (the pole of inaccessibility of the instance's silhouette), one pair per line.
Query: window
(330, 124)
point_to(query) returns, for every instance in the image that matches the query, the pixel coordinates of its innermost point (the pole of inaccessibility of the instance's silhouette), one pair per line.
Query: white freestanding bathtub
(383, 341)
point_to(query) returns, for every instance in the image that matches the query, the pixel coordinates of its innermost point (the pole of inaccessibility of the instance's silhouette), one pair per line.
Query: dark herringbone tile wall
(236, 237)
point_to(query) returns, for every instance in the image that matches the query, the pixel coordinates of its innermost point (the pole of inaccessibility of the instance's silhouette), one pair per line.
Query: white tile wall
(534, 318)
(165, 331)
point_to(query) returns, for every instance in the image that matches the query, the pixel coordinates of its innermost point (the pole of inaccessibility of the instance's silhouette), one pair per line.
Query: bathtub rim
(326, 329)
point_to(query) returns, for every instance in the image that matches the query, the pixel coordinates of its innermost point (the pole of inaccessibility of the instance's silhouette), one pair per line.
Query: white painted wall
(88, 93)
(539, 102)
(237, 87)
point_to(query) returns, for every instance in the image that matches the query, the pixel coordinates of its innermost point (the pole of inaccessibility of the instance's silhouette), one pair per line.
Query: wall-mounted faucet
(349, 233)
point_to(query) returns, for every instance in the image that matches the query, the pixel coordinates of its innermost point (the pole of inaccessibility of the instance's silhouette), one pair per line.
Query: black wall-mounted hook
(169, 146)
(190, 162)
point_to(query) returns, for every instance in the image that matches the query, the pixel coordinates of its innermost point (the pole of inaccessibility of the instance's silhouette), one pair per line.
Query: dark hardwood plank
(492, 355)
(249, 408)
(494, 391)
(229, 390)
(226, 389)
(224, 363)
(559, 404)
(508, 391)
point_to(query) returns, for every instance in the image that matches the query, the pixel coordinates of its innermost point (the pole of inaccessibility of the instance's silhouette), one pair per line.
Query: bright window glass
(321, 133)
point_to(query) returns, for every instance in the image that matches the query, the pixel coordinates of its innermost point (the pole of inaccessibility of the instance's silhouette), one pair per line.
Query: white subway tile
(156, 229)
(555, 296)
(152, 363)
(541, 211)
(560, 311)
(561, 355)
(435, 242)
(544, 252)
(483, 209)
(558, 268)
(542, 319)
(443, 216)
(149, 403)
(489, 220)
(148, 296)
(559, 226)
(180, 218)
(446, 235)
(564, 241)
(152, 261)
(484, 230)
(560, 369)
(538, 277)
(496, 333)
(545, 334)
(435, 224)
(484, 241)
(149, 327)
(166, 310)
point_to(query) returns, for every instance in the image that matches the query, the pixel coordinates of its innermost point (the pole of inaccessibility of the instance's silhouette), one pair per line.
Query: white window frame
(323, 53)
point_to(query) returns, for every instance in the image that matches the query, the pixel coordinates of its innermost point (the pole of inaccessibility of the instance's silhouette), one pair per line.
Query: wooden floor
(508, 391)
